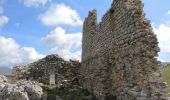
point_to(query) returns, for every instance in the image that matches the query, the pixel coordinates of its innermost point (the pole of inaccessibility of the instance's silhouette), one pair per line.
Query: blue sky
(31, 29)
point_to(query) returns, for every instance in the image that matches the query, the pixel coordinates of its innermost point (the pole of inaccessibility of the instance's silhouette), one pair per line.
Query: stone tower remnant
(118, 55)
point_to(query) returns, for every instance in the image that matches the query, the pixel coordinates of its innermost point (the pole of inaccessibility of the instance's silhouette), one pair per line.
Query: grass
(166, 75)
(66, 93)
(50, 87)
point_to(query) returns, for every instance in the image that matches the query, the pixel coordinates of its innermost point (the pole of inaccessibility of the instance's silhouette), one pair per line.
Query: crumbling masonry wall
(41, 70)
(52, 64)
(118, 55)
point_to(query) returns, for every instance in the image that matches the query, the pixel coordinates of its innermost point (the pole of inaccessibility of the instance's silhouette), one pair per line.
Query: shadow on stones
(110, 97)
(68, 93)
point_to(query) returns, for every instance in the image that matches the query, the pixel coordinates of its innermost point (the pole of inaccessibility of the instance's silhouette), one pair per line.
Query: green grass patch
(166, 75)
(49, 87)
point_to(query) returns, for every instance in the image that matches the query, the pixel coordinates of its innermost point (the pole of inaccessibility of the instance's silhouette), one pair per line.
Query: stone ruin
(43, 69)
(21, 72)
(119, 55)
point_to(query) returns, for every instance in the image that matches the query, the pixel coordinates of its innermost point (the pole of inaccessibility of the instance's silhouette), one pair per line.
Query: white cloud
(29, 54)
(35, 3)
(3, 21)
(9, 51)
(163, 34)
(168, 12)
(60, 14)
(12, 53)
(66, 53)
(65, 44)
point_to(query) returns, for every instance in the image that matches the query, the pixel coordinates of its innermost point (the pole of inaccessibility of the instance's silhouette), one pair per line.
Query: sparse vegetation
(66, 93)
(166, 74)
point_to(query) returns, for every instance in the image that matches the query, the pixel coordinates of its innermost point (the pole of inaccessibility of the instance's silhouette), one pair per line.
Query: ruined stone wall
(53, 64)
(20, 71)
(50, 65)
(118, 55)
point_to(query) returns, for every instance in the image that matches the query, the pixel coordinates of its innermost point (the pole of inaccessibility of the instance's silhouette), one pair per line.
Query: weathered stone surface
(21, 71)
(2, 85)
(23, 90)
(3, 79)
(118, 55)
(33, 90)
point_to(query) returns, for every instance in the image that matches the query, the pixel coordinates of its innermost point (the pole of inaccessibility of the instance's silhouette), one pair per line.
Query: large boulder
(34, 91)
(14, 92)
(23, 90)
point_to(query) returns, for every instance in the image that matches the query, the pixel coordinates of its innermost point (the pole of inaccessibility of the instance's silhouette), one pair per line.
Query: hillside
(5, 70)
(166, 74)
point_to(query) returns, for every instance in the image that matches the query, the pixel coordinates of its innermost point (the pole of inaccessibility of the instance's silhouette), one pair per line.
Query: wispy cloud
(34, 3)
(3, 21)
(168, 12)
